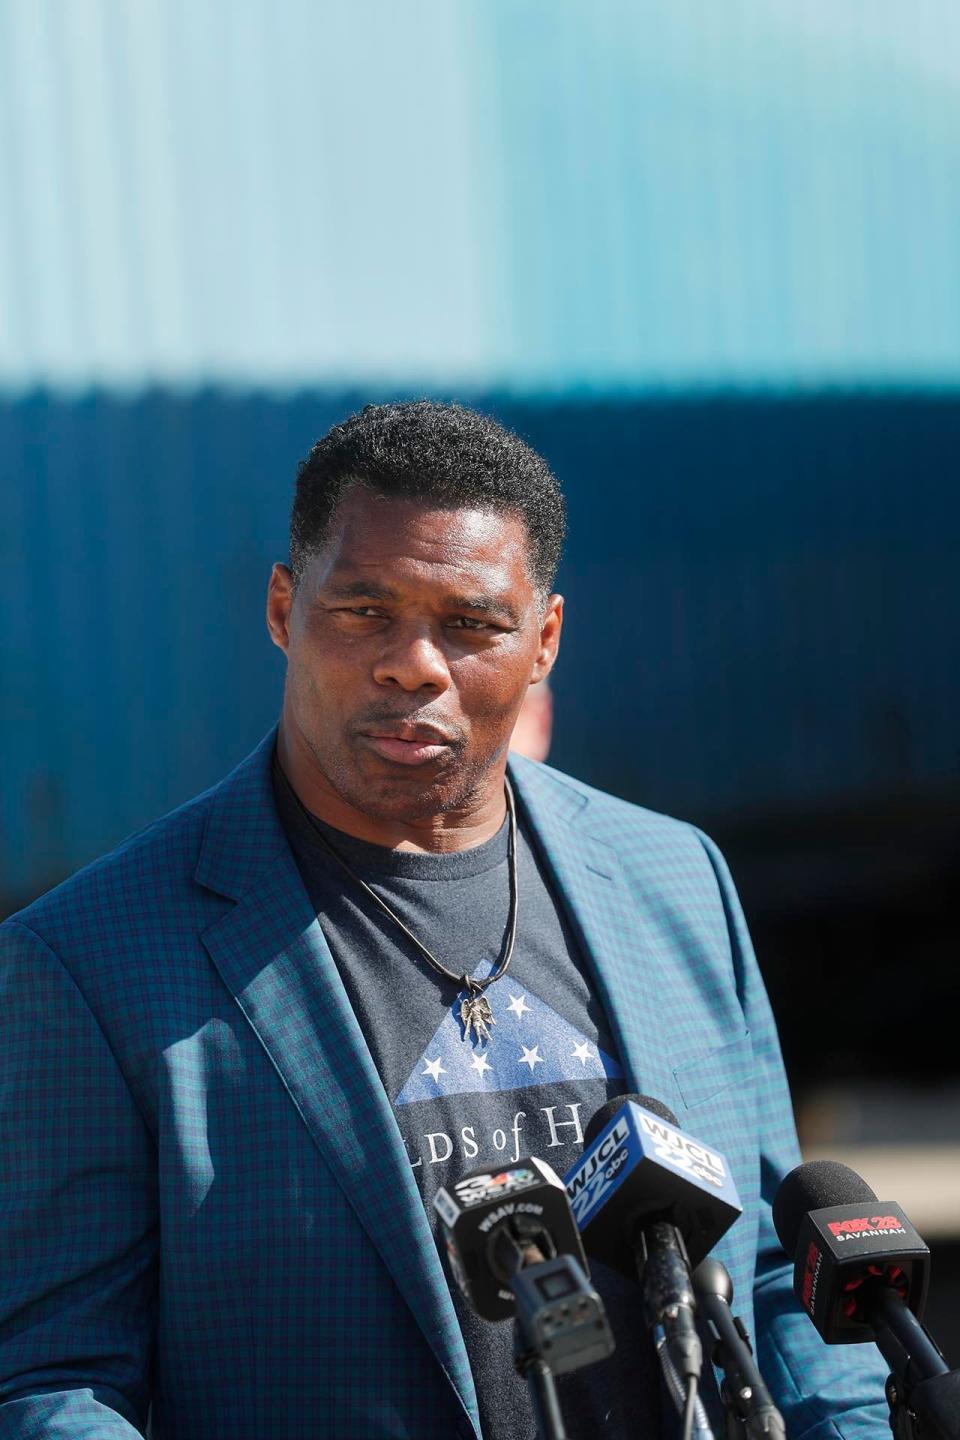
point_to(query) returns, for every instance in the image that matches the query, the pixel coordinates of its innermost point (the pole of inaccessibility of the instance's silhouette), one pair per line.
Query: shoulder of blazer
(154, 864)
(599, 814)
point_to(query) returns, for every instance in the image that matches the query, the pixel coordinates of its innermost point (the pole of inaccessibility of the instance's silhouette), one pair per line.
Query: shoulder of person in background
(533, 731)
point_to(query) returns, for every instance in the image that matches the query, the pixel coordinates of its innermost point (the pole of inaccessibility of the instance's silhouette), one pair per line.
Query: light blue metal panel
(534, 196)
(750, 191)
(194, 189)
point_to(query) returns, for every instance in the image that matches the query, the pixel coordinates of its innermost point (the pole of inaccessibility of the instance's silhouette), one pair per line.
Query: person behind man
(533, 731)
(240, 1054)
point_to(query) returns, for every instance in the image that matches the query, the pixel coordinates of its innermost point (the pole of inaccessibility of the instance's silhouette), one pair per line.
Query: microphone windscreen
(711, 1277)
(602, 1117)
(814, 1186)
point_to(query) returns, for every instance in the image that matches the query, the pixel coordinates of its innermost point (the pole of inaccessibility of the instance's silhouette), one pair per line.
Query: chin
(411, 795)
(404, 801)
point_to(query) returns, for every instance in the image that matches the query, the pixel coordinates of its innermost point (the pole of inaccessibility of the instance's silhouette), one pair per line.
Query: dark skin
(411, 640)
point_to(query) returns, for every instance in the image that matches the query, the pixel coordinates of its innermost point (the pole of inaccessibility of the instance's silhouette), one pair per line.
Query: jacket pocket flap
(699, 1080)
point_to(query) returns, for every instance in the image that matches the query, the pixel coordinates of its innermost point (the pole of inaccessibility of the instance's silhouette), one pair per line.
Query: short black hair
(440, 454)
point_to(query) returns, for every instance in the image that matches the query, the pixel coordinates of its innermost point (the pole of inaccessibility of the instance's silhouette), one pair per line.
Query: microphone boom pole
(747, 1401)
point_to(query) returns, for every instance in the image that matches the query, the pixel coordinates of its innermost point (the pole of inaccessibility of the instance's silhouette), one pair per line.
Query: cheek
(491, 694)
(317, 650)
(314, 688)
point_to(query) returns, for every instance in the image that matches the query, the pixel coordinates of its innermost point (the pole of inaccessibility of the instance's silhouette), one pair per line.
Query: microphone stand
(748, 1406)
(669, 1306)
(677, 1389)
(558, 1312)
(923, 1392)
(542, 1387)
(514, 1252)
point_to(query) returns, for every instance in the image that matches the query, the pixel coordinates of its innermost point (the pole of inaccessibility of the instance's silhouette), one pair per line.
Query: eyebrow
(359, 590)
(485, 604)
(373, 590)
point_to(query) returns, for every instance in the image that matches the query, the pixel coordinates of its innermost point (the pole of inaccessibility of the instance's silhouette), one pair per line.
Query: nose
(414, 661)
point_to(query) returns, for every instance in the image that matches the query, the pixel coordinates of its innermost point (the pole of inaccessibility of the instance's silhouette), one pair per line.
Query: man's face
(411, 641)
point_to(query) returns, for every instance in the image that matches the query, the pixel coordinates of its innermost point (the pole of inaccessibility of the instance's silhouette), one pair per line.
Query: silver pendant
(475, 1014)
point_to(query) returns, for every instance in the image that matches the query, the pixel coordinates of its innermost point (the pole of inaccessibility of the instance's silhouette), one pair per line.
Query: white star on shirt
(581, 1053)
(531, 1057)
(518, 1004)
(480, 1064)
(435, 1069)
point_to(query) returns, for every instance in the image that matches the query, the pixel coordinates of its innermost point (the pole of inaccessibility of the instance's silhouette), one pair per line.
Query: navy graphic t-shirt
(530, 1089)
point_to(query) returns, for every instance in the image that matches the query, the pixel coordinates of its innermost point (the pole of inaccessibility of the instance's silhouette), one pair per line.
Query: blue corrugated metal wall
(762, 601)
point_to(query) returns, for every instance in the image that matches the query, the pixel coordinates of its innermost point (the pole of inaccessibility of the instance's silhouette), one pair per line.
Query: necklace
(475, 1012)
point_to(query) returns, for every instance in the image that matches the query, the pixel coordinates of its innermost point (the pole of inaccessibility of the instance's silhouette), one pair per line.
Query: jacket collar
(243, 836)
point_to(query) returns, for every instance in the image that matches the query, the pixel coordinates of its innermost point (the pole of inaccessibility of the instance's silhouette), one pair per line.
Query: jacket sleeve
(825, 1392)
(78, 1213)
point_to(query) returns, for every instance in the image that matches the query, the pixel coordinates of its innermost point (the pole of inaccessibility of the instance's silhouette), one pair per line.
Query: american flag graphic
(530, 1044)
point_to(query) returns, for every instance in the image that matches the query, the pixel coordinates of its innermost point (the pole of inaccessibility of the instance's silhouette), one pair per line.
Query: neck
(462, 828)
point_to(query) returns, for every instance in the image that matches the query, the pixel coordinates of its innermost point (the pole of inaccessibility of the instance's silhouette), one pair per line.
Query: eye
(469, 622)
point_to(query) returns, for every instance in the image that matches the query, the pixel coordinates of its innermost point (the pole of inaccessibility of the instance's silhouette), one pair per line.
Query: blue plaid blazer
(208, 1220)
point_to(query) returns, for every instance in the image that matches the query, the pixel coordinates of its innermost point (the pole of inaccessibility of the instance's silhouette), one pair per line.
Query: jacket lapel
(271, 954)
(607, 917)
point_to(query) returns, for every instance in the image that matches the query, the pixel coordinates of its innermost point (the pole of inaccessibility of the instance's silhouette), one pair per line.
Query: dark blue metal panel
(765, 598)
(762, 601)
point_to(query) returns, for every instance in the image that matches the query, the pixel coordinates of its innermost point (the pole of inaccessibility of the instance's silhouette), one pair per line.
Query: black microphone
(861, 1272)
(649, 1200)
(744, 1394)
(515, 1250)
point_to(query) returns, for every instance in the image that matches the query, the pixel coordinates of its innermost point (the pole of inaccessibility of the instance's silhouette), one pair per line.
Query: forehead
(371, 534)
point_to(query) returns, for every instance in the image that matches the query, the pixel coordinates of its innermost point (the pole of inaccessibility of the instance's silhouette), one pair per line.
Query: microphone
(649, 1201)
(861, 1273)
(639, 1166)
(515, 1250)
(744, 1394)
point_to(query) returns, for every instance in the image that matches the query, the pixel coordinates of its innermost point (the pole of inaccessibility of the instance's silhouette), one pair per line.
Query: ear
(280, 606)
(550, 628)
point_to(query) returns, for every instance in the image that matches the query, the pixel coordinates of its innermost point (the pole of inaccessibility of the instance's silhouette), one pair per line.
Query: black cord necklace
(475, 1012)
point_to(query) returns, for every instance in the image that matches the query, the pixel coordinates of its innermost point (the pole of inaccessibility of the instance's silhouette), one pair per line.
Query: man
(239, 1055)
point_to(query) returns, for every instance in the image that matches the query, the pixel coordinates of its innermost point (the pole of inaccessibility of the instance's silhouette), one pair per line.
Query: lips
(407, 744)
(410, 734)
(405, 752)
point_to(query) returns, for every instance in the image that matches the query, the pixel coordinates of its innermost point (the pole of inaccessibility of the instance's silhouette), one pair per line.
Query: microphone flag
(639, 1155)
